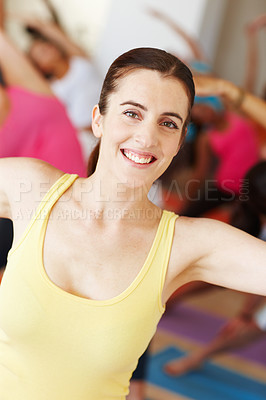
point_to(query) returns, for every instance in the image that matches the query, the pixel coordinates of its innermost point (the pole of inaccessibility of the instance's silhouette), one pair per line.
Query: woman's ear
(97, 121)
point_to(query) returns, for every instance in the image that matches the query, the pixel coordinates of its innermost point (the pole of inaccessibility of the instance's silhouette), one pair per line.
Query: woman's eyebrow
(173, 114)
(133, 103)
(166, 114)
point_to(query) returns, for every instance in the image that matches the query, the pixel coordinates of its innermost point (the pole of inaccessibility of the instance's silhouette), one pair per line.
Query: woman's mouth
(138, 158)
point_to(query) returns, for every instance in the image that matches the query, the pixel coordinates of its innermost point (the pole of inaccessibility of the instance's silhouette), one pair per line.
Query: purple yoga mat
(200, 326)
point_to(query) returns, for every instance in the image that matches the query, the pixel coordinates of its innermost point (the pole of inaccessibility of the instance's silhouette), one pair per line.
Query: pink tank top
(237, 151)
(38, 127)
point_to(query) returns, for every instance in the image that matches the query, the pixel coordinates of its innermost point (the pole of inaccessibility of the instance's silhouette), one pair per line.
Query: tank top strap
(165, 245)
(45, 206)
(54, 193)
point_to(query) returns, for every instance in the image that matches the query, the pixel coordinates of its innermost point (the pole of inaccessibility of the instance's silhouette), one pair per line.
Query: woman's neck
(110, 196)
(4, 105)
(60, 68)
(221, 123)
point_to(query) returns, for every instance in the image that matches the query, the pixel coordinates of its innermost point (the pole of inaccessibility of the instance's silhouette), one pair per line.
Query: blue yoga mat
(200, 326)
(211, 382)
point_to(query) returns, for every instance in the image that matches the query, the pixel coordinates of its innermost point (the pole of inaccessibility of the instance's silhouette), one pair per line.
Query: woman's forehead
(149, 85)
(145, 76)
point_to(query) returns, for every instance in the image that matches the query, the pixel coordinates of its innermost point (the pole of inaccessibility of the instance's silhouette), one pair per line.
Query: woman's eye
(131, 114)
(170, 124)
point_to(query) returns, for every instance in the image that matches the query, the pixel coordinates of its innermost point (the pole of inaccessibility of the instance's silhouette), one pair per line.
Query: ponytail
(93, 159)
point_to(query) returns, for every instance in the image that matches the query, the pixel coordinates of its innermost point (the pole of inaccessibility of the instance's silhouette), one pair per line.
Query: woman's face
(140, 132)
(204, 114)
(44, 55)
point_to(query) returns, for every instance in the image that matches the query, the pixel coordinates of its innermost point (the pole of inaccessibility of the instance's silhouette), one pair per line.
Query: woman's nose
(147, 136)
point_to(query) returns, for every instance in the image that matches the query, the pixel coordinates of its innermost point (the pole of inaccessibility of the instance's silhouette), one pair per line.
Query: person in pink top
(33, 123)
(236, 149)
(37, 126)
(226, 149)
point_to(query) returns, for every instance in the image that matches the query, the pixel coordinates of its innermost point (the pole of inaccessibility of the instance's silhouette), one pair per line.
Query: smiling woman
(132, 81)
(145, 129)
(89, 274)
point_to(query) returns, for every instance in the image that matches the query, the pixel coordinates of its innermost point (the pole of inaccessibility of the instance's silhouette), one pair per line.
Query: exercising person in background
(70, 71)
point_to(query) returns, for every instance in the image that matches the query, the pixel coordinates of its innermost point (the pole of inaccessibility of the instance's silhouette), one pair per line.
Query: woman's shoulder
(196, 228)
(192, 236)
(192, 240)
(25, 180)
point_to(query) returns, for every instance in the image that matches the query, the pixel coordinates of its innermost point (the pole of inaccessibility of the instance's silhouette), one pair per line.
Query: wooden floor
(218, 303)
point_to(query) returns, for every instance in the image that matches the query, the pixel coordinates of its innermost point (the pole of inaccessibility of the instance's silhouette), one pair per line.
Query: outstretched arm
(191, 42)
(252, 105)
(21, 185)
(227, 256)
(16, 68)
(22, 181)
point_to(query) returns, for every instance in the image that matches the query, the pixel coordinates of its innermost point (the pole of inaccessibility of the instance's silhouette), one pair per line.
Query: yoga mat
(211, 382)
(201, 326)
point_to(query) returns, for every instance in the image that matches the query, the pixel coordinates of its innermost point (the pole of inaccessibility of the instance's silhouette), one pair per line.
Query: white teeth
(136, 159)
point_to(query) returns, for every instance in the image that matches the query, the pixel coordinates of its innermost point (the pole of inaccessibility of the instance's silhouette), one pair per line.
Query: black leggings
(140, 372)
(6, 239)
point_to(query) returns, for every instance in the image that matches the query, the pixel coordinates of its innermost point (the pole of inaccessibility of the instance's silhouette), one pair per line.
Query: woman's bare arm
(9, 168)
(252, 105)
(54, 33)
(2, 13)
(18, 70)
(225, 256)
(53, 12)
(190, 41)
(22, 183)
(252, 66)
(252, 59)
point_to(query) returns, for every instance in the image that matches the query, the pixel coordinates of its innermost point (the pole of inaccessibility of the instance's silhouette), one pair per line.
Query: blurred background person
(250, 323)
(33, 122)
(69, 69)
(197, 60)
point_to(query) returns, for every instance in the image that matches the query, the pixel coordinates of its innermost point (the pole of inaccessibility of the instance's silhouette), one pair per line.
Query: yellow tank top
(57, 346)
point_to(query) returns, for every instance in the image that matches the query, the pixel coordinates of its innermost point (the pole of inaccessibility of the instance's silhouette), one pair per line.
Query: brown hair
(144, 58)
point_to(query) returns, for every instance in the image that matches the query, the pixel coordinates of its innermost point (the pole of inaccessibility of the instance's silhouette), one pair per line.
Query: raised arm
(252, 105)
(191, 42)
(53, 12)
(252, 58)
(2, 11)
(252, 66)
(16, 68)
(53, 32)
